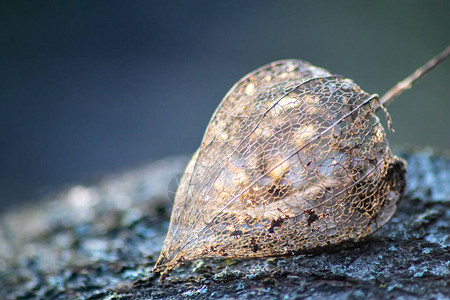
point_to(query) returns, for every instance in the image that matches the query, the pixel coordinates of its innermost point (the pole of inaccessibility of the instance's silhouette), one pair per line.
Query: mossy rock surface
(100, 241)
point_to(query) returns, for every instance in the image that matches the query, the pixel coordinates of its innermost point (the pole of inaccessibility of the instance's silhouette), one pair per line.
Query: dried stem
(407, 82)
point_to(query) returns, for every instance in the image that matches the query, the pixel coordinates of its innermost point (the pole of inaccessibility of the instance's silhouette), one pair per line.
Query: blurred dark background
(90, 87)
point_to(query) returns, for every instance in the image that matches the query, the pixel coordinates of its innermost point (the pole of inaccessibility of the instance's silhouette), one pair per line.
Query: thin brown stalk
(407, 82)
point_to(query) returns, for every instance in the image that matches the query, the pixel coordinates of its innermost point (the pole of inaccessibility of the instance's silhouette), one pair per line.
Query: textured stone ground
(100, 241)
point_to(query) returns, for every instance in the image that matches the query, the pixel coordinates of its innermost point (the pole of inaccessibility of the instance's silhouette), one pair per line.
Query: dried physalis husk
(293, 159)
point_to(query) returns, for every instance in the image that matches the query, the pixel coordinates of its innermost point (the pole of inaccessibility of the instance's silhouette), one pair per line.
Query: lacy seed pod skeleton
(293, 159)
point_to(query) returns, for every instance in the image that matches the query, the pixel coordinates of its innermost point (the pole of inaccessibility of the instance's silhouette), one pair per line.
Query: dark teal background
(89, 87)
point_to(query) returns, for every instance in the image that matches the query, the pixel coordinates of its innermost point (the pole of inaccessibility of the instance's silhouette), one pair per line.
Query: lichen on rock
(105, 246)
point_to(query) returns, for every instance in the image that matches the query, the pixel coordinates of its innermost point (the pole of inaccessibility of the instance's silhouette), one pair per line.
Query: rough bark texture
(101, 241)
